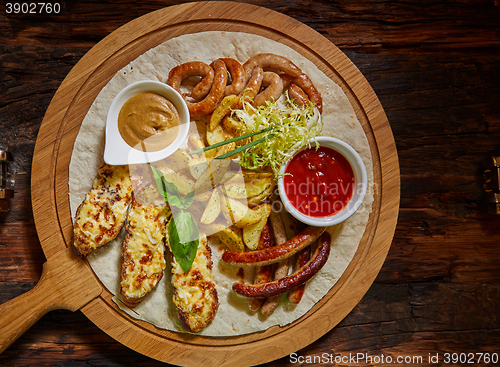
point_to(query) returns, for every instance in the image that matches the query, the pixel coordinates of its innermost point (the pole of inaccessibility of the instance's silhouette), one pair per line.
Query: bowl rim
(359, 192)
(116, 150)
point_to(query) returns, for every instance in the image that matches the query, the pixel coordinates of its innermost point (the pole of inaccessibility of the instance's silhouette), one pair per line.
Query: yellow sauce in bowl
(148, 122)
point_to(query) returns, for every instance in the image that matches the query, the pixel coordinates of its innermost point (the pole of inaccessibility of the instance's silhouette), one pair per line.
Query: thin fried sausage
(268, 61)
(303, 82)
(295, 279)
(281, 271)
(238, 78)
(273, 89)
(297, 95)
(277, 253)
(295, 295)
(263, 274)
(209, 103)
(193, 68)
(252, 88)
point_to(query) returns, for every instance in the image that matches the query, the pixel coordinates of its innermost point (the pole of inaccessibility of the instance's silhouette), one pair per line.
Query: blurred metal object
(6, 192)
(491, 185)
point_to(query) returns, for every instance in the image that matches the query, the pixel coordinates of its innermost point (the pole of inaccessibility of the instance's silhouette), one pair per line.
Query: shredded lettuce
(293, 127)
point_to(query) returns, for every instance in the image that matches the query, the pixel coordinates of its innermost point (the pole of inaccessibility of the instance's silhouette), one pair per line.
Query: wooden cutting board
(52, 212)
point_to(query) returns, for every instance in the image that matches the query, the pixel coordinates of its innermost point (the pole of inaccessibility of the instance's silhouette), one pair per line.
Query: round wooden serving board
(50, 185)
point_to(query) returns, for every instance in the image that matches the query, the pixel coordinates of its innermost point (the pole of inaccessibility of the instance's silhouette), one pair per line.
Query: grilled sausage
(277, 253)
(293, 280)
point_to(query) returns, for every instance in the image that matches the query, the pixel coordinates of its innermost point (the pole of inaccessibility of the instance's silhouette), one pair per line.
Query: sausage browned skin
(303, 82)
(295, 295)
(251, 89)
(238, 78)
(193, 68)
(268, 61)
(282, 268)
(263, 274)
(210, 102)
(277, 253)
(273, 89)
(297, 95)
(295, 279)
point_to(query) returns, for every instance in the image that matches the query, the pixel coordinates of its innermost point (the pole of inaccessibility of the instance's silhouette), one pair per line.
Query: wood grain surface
(435, 68)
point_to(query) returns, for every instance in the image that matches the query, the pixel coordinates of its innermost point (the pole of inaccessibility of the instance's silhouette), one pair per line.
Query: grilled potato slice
(238, 213)
(213, 208)
(251, 233)
(229, 236)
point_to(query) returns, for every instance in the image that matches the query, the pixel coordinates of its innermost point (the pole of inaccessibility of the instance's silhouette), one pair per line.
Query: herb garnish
(183, 232)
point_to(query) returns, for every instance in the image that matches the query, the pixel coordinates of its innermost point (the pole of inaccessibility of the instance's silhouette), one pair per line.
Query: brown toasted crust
(143, 260)
(293, 280)
(98, 204)
(194, 317)
(277, 253)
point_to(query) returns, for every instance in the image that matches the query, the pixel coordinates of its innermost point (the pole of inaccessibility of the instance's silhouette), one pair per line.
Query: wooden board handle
(66, 283)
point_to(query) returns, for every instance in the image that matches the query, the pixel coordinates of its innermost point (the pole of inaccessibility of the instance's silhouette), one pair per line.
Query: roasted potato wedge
(235, 190)
(214, 172)
(259, 199)
(232, 176)
(229, 236)
(238, 213)
(184, 184)
(195, 143)
(216, 136)
(197, 167)
(222, 110)
(212, 209)
(257, 186)
(178, 159)
(232, 125)
(251, 233)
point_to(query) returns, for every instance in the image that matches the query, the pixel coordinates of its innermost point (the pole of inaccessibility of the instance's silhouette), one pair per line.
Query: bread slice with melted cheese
(144, 246)
(194, 292)
(101, 215)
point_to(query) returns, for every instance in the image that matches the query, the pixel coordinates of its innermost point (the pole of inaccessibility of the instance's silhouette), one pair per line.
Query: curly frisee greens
(183, 232)
(292, 126)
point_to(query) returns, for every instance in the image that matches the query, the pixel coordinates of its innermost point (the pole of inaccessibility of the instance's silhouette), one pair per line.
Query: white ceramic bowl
(116, 150)
(360, 185)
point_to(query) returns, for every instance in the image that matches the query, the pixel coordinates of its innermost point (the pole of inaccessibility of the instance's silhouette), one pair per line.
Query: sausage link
(281, 271)
(274, 254)
(295, 295)
(295, 279)
(263, 274)
(252, 88)
(193, 68)
(297, 95)
(238, 78)
(302, 87)
(271, 61)
(273, 89)
(308, 87)
(210, 102)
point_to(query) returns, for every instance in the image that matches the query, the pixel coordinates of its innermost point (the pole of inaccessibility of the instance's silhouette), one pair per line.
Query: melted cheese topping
(143, 251)
(194, 292)
(101, 215)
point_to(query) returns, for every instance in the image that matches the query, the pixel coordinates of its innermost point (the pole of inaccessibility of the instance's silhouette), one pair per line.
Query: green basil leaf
(187, 200)
(183, 235)
(160, 180)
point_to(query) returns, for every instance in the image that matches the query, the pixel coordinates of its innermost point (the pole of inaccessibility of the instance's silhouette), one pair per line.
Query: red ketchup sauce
(319, 183)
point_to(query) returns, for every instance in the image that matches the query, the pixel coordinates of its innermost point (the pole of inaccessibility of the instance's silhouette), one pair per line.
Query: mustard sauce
(148, 122)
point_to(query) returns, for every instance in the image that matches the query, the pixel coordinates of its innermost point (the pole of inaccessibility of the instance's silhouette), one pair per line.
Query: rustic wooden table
(435, 67)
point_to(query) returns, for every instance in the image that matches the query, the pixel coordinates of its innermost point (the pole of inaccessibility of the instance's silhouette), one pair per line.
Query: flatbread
(233, 316)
